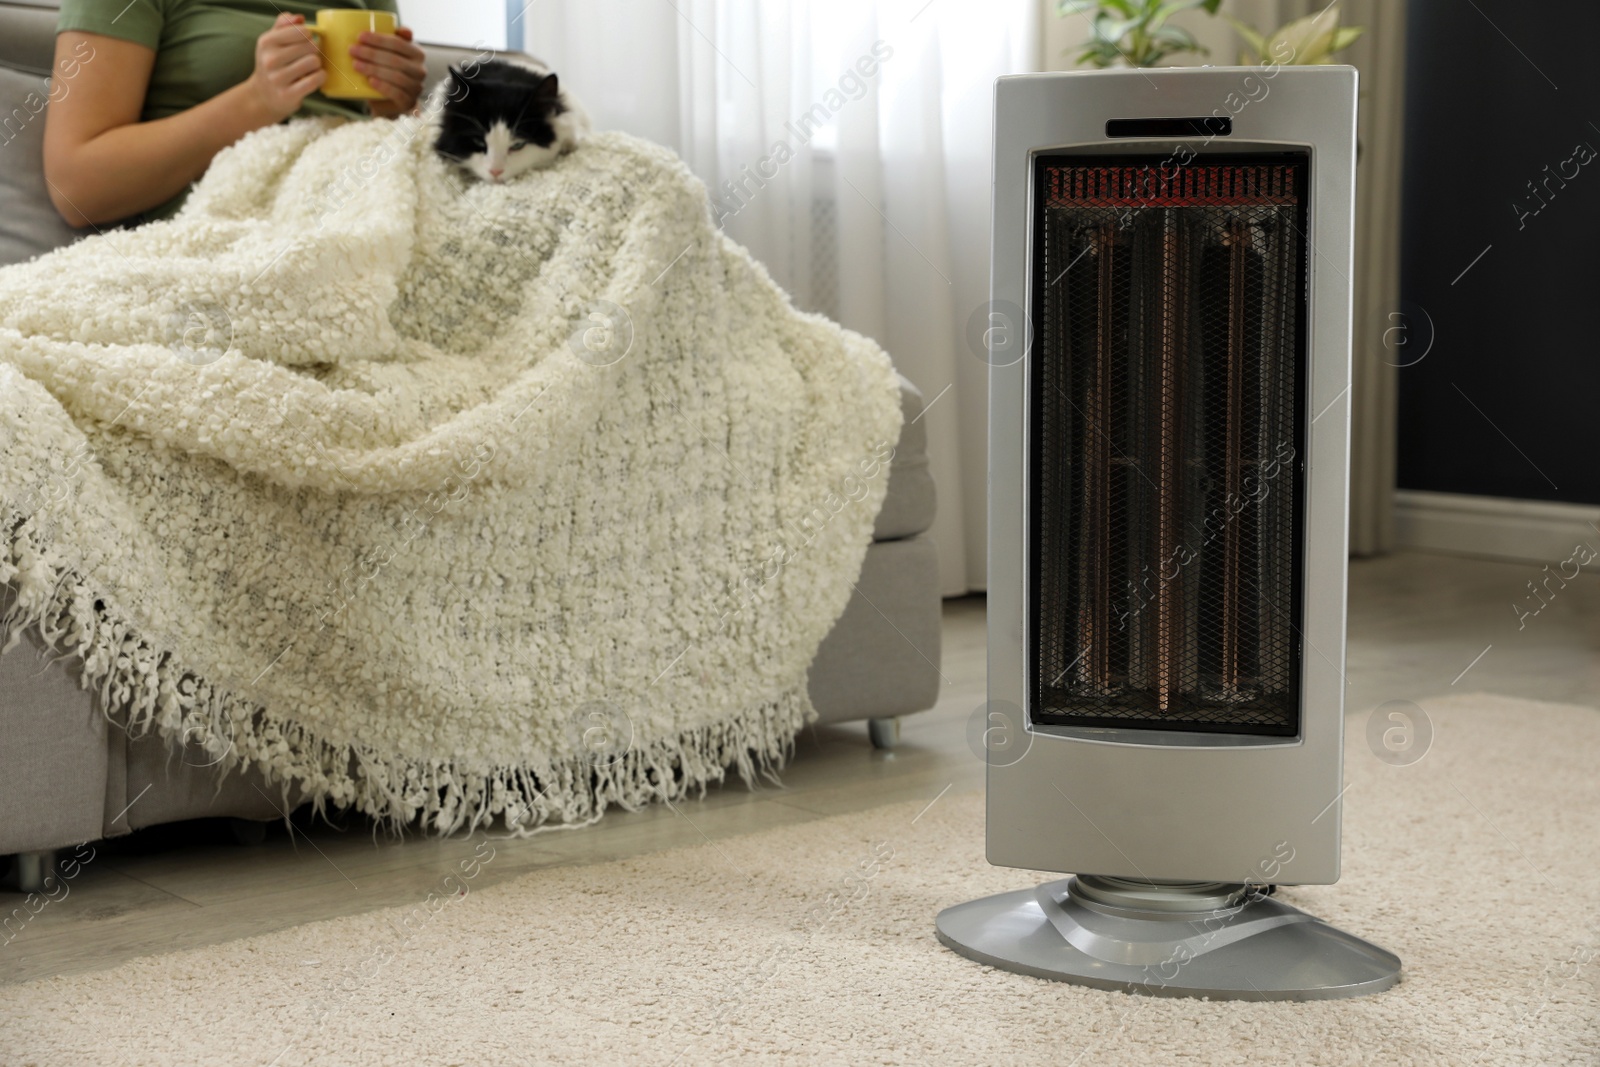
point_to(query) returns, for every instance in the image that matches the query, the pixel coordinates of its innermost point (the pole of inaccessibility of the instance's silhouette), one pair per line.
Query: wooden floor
(1419, 626)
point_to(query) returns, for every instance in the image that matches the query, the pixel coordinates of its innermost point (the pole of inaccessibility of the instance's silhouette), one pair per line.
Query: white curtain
(846, 144)
(1374, 393)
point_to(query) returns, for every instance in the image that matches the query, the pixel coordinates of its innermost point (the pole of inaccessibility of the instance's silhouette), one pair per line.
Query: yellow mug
(337, 29)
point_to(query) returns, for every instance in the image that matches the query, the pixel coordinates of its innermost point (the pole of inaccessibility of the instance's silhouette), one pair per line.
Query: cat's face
(497, 122)
(503, 152)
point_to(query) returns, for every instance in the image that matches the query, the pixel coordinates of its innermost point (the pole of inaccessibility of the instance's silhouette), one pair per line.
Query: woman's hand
(395, 67)
(288, 67)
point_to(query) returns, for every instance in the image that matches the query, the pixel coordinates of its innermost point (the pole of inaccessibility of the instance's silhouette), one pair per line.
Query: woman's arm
(102, 164)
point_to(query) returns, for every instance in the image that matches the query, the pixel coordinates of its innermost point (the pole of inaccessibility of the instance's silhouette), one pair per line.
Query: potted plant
(1140, 34)
(1135, 32)
(1305, 41)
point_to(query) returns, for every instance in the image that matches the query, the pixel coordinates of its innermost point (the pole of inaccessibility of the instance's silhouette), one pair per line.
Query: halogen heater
(1169, 451)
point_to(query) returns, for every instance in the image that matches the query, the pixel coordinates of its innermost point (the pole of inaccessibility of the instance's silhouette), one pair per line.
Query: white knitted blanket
(440, 500)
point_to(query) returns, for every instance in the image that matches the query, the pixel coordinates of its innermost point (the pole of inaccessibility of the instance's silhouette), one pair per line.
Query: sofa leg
(885, 733)
(31, 871)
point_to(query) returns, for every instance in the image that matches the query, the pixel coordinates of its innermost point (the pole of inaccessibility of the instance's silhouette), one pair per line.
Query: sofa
(69, 773)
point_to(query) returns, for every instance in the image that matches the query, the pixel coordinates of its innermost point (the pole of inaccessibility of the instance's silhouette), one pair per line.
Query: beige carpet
(1479, 865)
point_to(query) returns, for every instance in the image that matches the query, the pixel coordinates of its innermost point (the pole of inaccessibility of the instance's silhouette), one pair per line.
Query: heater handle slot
(1205, 126)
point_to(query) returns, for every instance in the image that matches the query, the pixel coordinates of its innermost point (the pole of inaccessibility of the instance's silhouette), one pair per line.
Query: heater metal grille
(1166, 442)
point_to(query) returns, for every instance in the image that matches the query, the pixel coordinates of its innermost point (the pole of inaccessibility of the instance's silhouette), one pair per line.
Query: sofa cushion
(882, 656)
(53, 760)
(909, 505)
(29, 224)
(28, 35)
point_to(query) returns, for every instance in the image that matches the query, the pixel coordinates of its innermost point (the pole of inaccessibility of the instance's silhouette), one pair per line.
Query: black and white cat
(498, 119)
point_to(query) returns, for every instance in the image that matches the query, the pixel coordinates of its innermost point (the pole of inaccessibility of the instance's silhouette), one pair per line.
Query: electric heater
(1169, 342)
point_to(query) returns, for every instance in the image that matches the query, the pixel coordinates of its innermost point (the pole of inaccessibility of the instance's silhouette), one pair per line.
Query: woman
(164, 85)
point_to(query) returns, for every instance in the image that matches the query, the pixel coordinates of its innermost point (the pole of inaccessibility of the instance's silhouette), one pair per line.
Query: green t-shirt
(202, 47)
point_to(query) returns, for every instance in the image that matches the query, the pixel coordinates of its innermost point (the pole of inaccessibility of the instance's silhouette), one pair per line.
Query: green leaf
(1099, 54)
(1176, 38)
(1075, 7)
(1165, 11)
(1157, 18)
(1103, 55)
(1305, 40)
(1344, 37)
(1211, 6)
(1111, 29)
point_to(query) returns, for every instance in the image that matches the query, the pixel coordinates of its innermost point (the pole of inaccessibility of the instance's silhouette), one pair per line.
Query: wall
(1503, 401)
(463, 23)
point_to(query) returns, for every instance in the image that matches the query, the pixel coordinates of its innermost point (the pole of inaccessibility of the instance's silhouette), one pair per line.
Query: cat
(498, 119)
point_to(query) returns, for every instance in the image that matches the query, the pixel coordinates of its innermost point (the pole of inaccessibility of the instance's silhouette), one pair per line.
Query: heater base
(1212, 940)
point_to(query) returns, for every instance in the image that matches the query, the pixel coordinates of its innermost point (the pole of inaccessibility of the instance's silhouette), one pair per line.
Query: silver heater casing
(1139, 803)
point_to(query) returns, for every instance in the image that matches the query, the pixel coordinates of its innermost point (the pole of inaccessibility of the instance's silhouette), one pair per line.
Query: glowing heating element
(1166, 445)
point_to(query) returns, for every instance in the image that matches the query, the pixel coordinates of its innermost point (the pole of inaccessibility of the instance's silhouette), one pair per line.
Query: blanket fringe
(151, 689)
